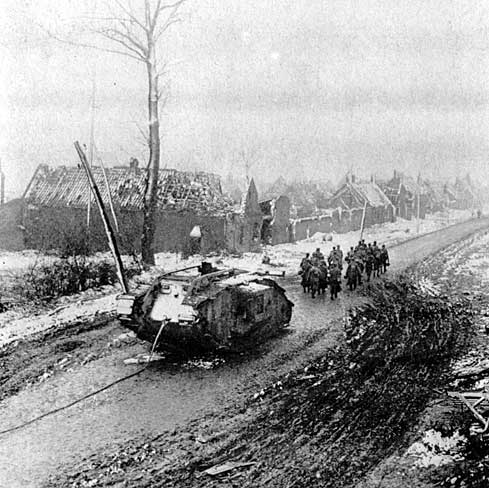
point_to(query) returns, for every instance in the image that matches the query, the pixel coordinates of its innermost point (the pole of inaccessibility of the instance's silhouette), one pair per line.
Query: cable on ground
(89, 395)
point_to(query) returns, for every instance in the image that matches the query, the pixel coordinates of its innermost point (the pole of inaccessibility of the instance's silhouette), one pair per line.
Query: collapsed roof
(177, 190)
(355, 195)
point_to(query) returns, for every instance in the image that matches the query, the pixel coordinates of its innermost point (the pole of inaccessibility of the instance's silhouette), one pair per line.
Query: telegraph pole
(362, 225)
(2, 185)
(92, 140)
(417, 202)
(105, 218)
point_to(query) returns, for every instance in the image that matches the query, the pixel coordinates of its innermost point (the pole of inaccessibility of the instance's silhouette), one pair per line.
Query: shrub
(404, 322)
(65, 276)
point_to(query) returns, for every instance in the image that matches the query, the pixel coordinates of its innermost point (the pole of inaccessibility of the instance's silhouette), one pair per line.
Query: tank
(206, 309)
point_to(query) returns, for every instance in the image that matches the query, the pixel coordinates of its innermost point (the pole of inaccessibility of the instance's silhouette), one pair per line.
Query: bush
(65, 276)
(404, 322)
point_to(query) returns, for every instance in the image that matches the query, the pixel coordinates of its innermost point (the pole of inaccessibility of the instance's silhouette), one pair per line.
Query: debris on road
(204, 364)
(122, 339)
(477, 402)
(229, 466)
(144, 359)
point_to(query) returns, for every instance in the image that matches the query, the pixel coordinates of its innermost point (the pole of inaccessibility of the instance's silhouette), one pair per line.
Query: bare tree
(136, 33)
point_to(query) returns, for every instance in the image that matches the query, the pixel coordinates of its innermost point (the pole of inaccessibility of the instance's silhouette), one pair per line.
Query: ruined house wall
(280, 222)
(307, 227)
(11, 237)
(48, 228)
(340, 222)
(173, 232)
(243, 228)
(242, 233)
(52, 228)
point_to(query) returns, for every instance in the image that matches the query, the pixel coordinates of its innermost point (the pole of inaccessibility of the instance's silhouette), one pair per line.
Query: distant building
(355, 196)
(404, 191)
(436, 196)
(56, 200)
(465, 194)
(306, 197)
(450, 194)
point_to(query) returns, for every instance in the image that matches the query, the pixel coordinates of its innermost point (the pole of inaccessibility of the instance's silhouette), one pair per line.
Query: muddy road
(169, 394)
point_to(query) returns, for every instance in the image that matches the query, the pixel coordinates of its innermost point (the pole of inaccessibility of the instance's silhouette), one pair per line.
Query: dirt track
(167, 395)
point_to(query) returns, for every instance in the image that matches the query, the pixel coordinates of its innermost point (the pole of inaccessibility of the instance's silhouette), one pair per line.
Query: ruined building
(55, 210)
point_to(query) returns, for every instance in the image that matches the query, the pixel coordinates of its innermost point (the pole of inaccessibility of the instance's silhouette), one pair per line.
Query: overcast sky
(307, 88)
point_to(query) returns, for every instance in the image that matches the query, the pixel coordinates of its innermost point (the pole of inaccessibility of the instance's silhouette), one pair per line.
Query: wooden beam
(105, 219)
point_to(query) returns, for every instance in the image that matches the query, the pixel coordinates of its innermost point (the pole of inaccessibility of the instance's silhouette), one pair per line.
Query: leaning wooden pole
(418, 196)
(109, 194)
(105, 219)
(362, 225)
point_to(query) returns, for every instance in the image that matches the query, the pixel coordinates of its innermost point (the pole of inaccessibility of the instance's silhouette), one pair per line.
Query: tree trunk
(147, 241)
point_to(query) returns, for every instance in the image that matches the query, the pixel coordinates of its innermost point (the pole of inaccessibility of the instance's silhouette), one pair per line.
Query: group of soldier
(318, 272)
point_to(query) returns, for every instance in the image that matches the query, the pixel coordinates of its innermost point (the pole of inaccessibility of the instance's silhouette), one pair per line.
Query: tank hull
(232, 317)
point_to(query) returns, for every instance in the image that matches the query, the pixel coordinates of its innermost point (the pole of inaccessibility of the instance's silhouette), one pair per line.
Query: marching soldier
(317, 254)
(384, 258)
(306, 262)
(332, 256)
(334, 281)
(350, 255)
(339, 252)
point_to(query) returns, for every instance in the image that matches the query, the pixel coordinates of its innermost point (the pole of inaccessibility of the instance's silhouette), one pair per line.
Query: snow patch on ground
(12, 330)
(437, 450)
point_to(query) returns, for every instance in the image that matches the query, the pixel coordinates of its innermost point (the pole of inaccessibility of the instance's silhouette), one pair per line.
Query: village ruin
(244, 244)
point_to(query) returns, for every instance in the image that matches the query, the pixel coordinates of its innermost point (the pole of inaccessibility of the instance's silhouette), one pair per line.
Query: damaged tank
(205, 309)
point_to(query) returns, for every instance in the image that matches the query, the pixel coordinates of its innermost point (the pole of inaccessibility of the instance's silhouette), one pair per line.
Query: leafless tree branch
(164, 94)
(130, 43)
(143, 133)
(169, 22)
(132, 55)
(160, 8)
(130, 14)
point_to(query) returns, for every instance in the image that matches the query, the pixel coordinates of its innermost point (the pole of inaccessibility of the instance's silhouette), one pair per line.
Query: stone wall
(340, 221)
